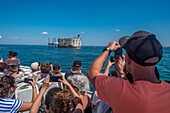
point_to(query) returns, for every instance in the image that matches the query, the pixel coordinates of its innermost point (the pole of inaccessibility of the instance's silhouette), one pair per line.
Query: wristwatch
(107, 49)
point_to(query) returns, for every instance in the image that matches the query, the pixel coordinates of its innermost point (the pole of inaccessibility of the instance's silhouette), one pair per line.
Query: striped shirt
(8, 105)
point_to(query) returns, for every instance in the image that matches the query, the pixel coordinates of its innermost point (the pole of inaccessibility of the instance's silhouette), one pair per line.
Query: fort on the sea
(74, 42)
(70, 42)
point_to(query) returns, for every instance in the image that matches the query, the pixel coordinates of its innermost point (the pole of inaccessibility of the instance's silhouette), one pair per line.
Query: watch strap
(107, 49)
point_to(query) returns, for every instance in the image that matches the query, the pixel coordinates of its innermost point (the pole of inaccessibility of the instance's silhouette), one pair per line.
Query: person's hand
(64, 81)
(113, 45)
(110, 63)
(119, 65)
(46, 82)
(77, 101)
(32, 82)
(22, 70)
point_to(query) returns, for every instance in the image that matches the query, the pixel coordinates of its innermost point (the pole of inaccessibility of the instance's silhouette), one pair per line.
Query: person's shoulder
(68, 73)
(76, 72)
(9, 100)
(103, 80)
(10, 105)
(102, 76)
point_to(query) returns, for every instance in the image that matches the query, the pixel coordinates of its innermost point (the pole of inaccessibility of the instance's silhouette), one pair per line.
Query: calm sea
(65, 56)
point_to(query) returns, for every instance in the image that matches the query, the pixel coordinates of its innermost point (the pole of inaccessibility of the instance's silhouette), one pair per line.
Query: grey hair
(81, 82)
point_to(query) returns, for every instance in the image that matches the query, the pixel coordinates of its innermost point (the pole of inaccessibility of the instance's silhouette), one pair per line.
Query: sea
(65, 56)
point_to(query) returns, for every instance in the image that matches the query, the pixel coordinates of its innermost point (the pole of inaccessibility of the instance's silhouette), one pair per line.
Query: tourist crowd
(129, 84)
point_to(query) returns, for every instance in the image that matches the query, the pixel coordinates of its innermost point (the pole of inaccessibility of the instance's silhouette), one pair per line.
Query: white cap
(35, 66)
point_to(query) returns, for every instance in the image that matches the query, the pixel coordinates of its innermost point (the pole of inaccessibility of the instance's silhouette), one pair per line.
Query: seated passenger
(12, 57)
(57, 70)
(81, 83)
(35, 70)
(76, 69)
(58, 101)
(13, 70)
(2, 68)
(7, 88)
(45, 70)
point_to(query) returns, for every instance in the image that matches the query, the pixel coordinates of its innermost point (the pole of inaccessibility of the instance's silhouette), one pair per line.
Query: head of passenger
(45, 68)
(76, 65)
(50, 95)
(61, 102)
(56, 69)
(35, 66)
(13, 68)
(143, 51)
(80, 82)
(2, 66)
(12, 54)
(7, 86)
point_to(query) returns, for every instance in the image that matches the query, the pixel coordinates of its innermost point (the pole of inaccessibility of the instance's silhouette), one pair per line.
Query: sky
(32, 22)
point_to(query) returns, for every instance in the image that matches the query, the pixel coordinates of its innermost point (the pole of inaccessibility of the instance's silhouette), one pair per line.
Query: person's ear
(12, 89)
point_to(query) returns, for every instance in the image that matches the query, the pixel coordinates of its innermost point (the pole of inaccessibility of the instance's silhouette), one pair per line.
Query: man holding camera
(147, 94)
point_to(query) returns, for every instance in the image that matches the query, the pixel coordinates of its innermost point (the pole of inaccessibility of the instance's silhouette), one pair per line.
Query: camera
(26, 80)
(55, 78)
(112, 59)
(118, 53)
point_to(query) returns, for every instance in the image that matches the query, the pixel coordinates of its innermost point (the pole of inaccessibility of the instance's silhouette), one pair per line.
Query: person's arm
(27, 105)
(34, 94)
(79, 109)
(106, 72)
(16, 76)
(38, 77)
(21, 70)
(64, 81)
(79, 105)
(97, 65)
(37, 101)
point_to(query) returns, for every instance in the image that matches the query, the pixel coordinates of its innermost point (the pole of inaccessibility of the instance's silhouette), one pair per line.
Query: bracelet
(76, 101)
(34, 87)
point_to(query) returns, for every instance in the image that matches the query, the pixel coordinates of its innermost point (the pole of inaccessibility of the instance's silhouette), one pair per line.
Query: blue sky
(97, 21)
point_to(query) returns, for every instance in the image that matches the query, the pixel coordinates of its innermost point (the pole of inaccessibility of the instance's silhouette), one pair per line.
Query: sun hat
(142, 47)
(35, 65)
(77, 63)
